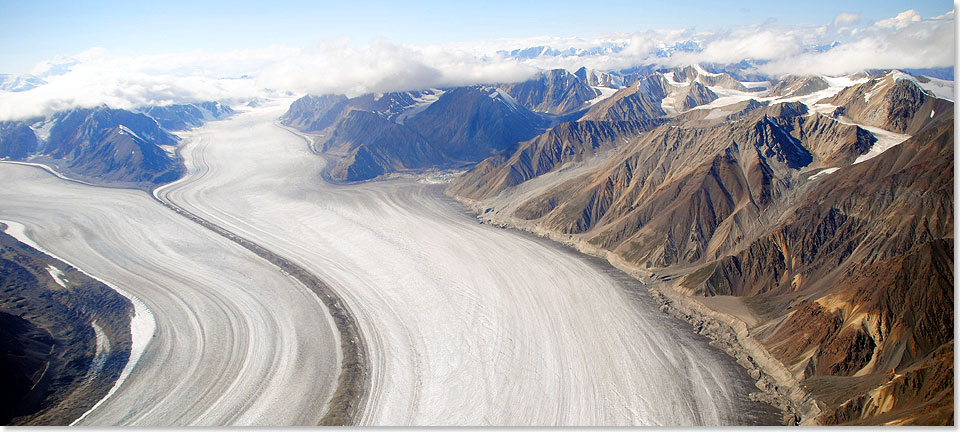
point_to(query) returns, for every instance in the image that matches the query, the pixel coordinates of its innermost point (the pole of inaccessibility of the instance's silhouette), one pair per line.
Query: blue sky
(32, 31)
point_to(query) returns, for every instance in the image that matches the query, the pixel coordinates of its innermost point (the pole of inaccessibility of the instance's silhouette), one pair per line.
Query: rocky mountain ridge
(430, 128)
(179, 117)
(841, 259)
(450, 127)
(106, 145)
(894, 102)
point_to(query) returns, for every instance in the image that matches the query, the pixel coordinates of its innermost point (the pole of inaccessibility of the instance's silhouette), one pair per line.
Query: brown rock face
(874, 246)
(678, 192)
(893, 103)
(567, 142)
(793, 85)
(849, 273)
(640, 101)
(834, 144)
(556, 92)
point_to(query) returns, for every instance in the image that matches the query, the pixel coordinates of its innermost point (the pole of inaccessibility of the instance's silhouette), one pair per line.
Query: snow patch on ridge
(57, 275)
(877, 88)
(605, 92)
(885, 141)
(671, 79)
(103, 349)
(126, 131)
(700, 70)
(756, 84)
(942, 89)
(898, 75)
(170, 150)
(508, 100)
(823, 173)
(422, 103)
(727, 96)
(42, 129)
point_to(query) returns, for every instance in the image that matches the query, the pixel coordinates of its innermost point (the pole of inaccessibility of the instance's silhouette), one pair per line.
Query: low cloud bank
(845, 45)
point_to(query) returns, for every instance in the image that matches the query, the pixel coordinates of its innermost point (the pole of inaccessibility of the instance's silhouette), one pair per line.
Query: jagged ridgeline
(816, 210)
(823, 206)
(374, 134)
(108, 146)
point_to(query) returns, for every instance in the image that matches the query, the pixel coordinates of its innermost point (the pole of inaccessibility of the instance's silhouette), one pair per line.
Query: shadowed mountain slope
(845, 273)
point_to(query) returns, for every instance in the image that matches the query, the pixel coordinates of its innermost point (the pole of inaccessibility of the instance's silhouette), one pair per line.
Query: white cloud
(844, 19)
(757, 45)
(900, 21)
(900, 42)
(97, 77)
(94, 78)
(341, 67)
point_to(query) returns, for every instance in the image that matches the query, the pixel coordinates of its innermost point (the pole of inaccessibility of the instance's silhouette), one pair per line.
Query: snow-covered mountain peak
(19, 83)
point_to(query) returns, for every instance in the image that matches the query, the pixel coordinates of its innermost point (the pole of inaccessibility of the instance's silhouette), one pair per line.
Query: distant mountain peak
(19, 83)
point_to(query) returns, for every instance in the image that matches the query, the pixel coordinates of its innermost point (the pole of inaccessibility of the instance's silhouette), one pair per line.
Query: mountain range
(817, 209)
(814, 212)
(780, 201)
(370, 135)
